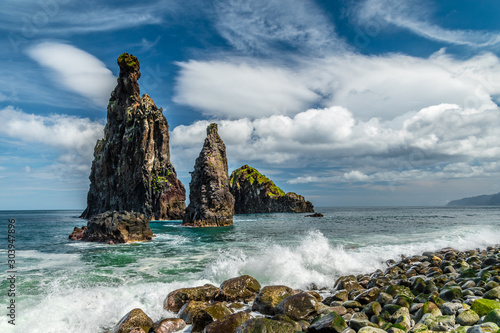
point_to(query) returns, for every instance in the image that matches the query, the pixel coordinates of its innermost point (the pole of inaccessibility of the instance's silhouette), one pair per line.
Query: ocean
(72, 286)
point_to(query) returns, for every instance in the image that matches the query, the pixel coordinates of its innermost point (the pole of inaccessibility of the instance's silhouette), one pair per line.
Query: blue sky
(369, 102)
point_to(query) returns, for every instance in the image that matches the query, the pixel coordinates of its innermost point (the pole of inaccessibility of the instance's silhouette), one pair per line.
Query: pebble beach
(442, 291)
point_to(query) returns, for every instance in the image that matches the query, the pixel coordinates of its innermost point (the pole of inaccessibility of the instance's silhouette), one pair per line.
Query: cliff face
(131, 170)
(210, 202)
(255, 193)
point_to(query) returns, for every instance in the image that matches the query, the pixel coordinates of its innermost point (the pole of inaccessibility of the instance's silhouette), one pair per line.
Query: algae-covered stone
(460, 329)
(170, 325)
(227, 324)
(330, 322)
(484, 306)
(261, 325)
(429, 307)
(492, 293)
(394, 290)
(190, 309)
(467, 318)
(484, 328)
(357, 323)
(368, 295)
(372, 309)
(208, 315)
(368, 329)
(348, 283)
(298, 306)
(133, 319)
(450, 293)
(269, 297)
(177, 298)
(493, 317)
(242, 288)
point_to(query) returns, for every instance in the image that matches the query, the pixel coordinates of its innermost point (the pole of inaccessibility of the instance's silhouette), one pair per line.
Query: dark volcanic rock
(131, 168)
(255, 193)
(115, 227)
(210, 202)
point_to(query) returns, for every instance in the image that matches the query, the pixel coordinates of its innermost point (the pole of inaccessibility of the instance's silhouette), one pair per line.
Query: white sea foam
(316, 260)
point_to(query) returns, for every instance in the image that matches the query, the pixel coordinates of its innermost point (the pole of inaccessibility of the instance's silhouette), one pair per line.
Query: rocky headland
(443, 291)
(131, 170)
(255, 193)
(211, 204)
(480, 200)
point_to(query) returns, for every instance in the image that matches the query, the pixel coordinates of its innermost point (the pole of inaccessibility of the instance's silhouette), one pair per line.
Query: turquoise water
(64, 285)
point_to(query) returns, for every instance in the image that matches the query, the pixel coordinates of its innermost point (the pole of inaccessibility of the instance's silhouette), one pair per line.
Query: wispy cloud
(265, 26)
(76, 70)
(414, 16)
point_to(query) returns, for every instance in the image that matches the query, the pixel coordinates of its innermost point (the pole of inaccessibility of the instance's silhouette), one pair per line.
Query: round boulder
(269, 297)
(132, 320)
(177, 298)
(298, 306)
(243, 288)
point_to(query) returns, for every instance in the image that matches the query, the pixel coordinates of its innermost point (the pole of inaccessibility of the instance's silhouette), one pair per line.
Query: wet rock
(77, 233)
(451, 308)
(298, 306)
(348, 283)
(227, 324)
(394, 290)
(177, 298)
(134, 319)
(281, 317)
(242, 288)
(118, 227)
(208, 315)
(131, 170)
(368, 295)
(368, 329)
(269, 297)
(428, 307)
(261, 325)
(330, 323)
(255, 193)
(210, 202)
(170, 325)
(315, 215)
(190, 309)
(360, 320)
(450, 293)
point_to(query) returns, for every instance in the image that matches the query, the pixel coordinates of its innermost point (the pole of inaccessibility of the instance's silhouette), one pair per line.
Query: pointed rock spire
(211, 204)
(131, 169)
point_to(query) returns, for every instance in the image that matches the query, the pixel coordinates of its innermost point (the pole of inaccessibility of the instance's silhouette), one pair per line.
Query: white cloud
(76, 70)
(422, 145)
(236, 90)
(413, 16)
(73, 137)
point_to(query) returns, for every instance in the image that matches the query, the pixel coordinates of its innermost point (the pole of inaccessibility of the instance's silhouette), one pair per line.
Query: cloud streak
(412, 15)
(76, 70)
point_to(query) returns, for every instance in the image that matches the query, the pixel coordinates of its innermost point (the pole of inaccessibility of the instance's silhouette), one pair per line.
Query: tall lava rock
(210, 202)
(131, 170)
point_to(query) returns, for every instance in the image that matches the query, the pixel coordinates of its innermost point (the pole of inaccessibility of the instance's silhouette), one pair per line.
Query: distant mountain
(481, 200)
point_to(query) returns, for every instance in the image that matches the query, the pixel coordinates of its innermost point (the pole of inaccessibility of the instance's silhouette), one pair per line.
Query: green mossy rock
(228, 324)
(428, 307)
(269, 297)
(189, 310)
(493, 317)
(492, 293)
(484, 328)
(177, 298)
(133, 319)
(264, 325)
(371, 330)
(467, 318)
(394, 290)
(298, 306)
(243, 288)
(483, 306)
(330, 322)
(208, 315)
(450, 293)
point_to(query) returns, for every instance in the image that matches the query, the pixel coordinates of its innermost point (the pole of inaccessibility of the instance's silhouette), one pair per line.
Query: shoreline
(435, 291)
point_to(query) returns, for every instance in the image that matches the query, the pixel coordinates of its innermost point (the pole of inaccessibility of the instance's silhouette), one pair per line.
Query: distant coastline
(480, 200)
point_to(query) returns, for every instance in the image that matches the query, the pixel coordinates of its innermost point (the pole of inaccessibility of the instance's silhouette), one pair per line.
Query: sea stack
(210, 201)
(131, 170)
(255, 193)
